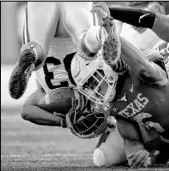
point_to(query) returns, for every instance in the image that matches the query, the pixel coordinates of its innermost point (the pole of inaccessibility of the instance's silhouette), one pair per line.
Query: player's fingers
(95, 8)
(141, 159)
(130, 156)
(142, 163)
(100, 12)
(105, 7)
(133, 158)
(148, 162)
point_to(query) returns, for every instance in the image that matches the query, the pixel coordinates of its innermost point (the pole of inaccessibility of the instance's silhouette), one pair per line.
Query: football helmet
(83, 118)
(90, 122)
(94, 78)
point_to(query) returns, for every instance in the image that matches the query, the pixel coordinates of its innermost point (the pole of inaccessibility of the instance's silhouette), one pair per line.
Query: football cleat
(21, 74)
(111, 46)
(24, 67)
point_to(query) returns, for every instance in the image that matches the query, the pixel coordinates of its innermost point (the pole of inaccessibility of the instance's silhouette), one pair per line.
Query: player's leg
(42, 22)
(80, 23)
(111, 152)
(78, 20)
(40, 26)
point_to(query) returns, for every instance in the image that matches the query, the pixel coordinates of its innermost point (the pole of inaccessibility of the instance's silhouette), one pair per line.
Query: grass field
(25, 146)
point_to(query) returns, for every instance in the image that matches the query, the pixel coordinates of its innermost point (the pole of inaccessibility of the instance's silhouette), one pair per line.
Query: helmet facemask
(95, 79)
(98, 87)
(88, 123)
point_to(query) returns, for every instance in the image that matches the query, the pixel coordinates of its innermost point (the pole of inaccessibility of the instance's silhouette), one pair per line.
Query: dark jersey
(136, 97)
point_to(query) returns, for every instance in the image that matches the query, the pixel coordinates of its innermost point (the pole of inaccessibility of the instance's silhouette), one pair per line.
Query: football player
(67, 107)
(138, 35)
(53, 71)
(52, 31)
(157, 20)
(51, 34)
(47, 45)
(54, 82)
(140, 105)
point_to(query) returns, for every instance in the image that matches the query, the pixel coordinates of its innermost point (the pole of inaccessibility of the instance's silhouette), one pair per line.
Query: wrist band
(135, 17)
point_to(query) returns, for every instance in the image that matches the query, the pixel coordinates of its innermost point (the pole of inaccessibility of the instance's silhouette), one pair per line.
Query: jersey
(136, 97)
(54, 73)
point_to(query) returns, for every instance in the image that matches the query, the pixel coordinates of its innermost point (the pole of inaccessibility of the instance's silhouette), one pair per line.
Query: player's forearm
(39, 116)
(142, 18)
(147, 71)
(41, 22)
(161, 26)
(133, 16)
(132, 56)
(132, 146)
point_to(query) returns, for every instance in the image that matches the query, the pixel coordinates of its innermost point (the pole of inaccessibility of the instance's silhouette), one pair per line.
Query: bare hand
(155, 7)
(102, 11)
(139, 159)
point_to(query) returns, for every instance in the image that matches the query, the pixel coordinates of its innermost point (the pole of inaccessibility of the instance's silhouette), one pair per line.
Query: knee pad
(99, 157)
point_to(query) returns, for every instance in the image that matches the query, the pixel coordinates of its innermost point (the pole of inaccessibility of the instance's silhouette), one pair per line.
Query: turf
(26, 146)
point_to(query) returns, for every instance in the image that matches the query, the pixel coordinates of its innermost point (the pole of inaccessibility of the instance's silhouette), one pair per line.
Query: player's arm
(33, 113)
(161, 26)
(141, 18)
(147, 71)
(135, 151)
